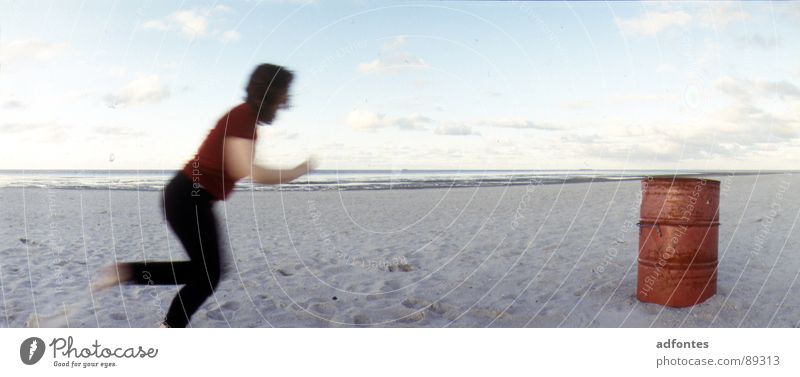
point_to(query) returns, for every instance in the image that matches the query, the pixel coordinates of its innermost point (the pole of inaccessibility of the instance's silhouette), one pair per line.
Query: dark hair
(267, 85)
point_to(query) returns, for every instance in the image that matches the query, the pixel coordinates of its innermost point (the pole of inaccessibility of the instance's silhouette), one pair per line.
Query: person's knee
(214, 278)
(210, 277)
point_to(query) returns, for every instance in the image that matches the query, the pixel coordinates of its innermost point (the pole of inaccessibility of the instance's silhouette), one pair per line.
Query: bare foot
(113, 275)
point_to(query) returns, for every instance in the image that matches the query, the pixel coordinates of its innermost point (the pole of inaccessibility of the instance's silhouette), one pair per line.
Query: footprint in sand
(414, 303)
(224, 311)
(118, 316)
(323, 309)
(404, 267)
(215, 314)
(231, 305)
(438, 308)
(361, 319)
(412, 318)
(391, 285)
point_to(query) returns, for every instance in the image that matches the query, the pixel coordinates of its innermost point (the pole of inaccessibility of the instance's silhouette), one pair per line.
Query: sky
(406, 85)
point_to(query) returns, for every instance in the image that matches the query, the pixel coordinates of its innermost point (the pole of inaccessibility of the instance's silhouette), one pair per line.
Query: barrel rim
(645, 222)
(671, 178)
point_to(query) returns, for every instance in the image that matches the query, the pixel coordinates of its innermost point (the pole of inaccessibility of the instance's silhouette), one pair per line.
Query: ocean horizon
(351, 179)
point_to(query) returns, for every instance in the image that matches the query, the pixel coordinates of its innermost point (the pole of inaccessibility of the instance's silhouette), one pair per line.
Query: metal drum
(678, 237)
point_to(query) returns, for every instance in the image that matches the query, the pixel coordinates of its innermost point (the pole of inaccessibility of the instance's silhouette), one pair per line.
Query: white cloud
(743, 89)
(30, 49)
(279, 133)
(118, 70)
(722, 13)
(665, 68)
(396, 42)
(641, 97)
(230, 36)
(143, 90)
(44, 131)
(359, 119)
(223, 8)
(758, 41)
(12, 104)
(731, 87)
(155, 25)
(455, 130)
(115, 131)
(16, 127)
(577, 105)
(750, 125)
(365, 120)
(193, 23)
(413, 122)
(393, 63)
(653, 22)
(517, 123)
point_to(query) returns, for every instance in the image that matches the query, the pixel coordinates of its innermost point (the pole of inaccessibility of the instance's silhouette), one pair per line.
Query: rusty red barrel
(678, 237)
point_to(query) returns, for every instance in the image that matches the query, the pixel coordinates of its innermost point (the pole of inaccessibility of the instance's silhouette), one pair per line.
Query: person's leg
(196, 227)
(158, 273)
(178, 193)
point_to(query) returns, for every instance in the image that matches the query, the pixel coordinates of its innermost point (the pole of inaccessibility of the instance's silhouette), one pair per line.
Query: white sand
(518, 256)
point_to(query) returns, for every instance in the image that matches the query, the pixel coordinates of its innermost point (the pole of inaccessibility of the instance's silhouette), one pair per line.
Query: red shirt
(206, 170)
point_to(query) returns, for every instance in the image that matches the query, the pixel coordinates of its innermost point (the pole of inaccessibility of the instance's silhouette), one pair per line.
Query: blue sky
(451, 85)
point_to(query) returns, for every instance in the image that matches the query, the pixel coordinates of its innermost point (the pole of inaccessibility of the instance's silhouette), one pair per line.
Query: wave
(341, 180)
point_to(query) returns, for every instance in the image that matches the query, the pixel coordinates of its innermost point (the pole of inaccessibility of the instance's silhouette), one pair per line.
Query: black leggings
(190, 215)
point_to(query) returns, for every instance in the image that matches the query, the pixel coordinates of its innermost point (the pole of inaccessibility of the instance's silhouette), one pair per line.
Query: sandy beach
(555, 255)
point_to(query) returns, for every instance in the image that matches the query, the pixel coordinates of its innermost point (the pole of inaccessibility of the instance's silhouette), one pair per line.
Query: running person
(225, 157)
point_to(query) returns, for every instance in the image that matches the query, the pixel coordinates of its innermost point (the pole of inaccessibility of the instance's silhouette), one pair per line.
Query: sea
(325, 180)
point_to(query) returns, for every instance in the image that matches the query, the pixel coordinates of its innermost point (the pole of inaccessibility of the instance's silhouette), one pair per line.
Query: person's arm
(239, 155)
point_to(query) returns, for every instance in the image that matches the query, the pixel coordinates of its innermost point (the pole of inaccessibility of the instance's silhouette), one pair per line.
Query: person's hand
(306, 167)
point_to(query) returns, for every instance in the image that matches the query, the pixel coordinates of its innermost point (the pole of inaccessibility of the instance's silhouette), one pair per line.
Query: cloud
(396, 42)
(359, 119)
(641, 97)
(653, 22)
(18, 127)
(619, 99)
(223, 8)
(413, 122)
(31, 50)
(365, 120)
(279, 133)
(779, 88)
(518, 124)
(722, 13)
(156, 25)
(577, 105)
(665, 68)
(752, 124)
(12, 104)
(393, 63)
(230, 36)
(731, 87)
(715, 15)
(115, 131)
(758, 41)
(740, 130)
(743, 89)
(143, 90)
(40, 132)
(455, 130)
(193, 23)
